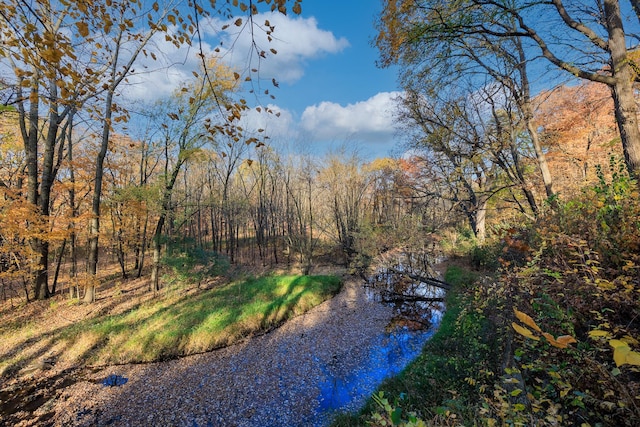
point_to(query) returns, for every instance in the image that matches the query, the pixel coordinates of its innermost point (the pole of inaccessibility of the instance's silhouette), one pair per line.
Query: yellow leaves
(596, 333)
(238, 22)
(562, 341)
(524, 331)
(629, 340)
(171, 19)
(527, 320)
(623, 355)
(604, 284)
(51, 54)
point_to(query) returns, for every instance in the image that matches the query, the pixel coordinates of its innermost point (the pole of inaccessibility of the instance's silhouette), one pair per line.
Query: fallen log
(394, 297)
(428, 280)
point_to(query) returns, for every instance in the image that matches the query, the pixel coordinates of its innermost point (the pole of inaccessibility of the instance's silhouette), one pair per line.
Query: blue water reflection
(389, 354)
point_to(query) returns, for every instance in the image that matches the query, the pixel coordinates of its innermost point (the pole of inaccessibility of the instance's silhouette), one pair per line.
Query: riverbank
(439, 385)
(47, 348)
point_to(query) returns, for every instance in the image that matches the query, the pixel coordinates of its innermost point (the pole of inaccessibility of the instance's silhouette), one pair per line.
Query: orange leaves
(524, 331)
(527, 320)
(83, 28)
(562, 341)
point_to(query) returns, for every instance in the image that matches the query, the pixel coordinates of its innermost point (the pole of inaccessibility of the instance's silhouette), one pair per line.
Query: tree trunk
(142, 248)
(626, 110)
(542, 160)
(480, 216)
(74, 291)
(94, 230)
(157, 247)
(527, 112)
(58, 264)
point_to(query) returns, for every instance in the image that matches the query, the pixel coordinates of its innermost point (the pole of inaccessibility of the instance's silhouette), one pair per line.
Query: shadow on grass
(177, 326)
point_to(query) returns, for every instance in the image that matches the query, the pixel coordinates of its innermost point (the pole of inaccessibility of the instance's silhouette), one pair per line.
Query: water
(392, 352)
(389, 354)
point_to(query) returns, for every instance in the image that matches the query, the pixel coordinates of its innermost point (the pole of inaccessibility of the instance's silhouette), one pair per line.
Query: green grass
(176, 326)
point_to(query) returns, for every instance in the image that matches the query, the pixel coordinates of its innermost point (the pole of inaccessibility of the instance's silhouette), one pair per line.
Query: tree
(71, 57)
(346, 184)
(190, 114)
(300, 176)
(40, 53)
(416, 27)
(584, 41)
(578, 125)
(476, 154)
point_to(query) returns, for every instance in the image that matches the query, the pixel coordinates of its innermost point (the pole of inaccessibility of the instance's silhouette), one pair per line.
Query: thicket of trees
(65, 64)
(466, 68)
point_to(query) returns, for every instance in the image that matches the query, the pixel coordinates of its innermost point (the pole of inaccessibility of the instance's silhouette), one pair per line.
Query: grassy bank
(169, 326)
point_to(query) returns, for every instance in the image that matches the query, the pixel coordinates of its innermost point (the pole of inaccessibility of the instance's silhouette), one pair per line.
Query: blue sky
(340, 96)
(330, 90)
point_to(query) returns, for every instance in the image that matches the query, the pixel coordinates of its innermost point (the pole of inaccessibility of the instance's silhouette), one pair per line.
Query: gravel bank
(271, 380)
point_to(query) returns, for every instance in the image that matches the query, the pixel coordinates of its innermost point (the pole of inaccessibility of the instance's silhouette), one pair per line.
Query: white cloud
(296, 41)
(277, 124)
(173, 66)
(369, 121)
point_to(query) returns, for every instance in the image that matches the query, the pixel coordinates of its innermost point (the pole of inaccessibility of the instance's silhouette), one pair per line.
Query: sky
(330, 91)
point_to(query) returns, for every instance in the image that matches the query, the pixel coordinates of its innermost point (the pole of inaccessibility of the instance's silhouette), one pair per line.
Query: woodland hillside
(262, 207)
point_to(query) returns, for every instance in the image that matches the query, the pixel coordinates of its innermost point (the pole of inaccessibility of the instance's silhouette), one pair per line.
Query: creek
(418, 309)
(328, 360)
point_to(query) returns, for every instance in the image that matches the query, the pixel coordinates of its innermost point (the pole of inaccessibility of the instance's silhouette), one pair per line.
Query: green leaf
(396, 416)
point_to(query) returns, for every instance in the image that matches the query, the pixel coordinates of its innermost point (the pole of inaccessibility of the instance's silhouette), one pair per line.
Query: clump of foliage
(190, 263)
(581, 283)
